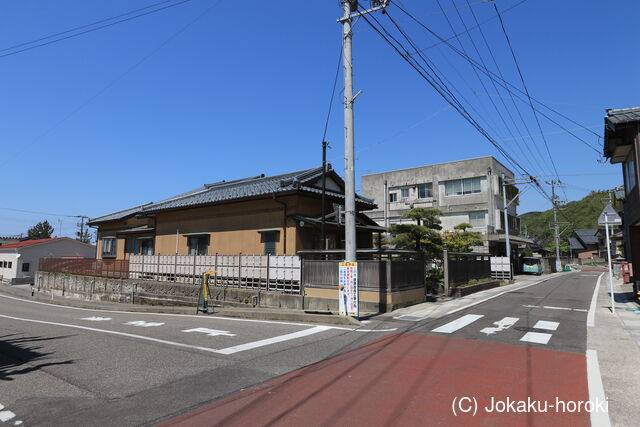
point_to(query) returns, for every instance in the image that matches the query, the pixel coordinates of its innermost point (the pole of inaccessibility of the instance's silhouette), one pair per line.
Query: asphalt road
(64, 366)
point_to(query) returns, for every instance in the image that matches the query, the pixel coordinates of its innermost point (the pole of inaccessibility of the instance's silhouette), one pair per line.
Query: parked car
(531, 265)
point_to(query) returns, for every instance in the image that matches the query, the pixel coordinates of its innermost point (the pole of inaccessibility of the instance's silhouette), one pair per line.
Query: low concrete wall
(135, 291)
(471, 289)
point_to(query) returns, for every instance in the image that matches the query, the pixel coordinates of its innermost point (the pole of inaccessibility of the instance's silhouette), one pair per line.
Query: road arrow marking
(143, 324)
(210, 332)
(501, 325)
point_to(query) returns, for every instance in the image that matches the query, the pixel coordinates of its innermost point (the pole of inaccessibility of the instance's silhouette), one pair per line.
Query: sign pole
(610, 217)
(613, 305)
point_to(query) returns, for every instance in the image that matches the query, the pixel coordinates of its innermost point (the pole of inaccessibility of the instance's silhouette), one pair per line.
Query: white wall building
(19, 261)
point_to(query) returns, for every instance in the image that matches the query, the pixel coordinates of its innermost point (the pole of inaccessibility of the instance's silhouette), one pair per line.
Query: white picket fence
(267, 272)
(500, 268)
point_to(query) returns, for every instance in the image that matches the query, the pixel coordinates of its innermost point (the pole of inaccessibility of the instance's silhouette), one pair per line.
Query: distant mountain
(579, 214)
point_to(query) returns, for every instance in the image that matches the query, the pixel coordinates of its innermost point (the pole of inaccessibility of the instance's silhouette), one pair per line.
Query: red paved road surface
(409, 379)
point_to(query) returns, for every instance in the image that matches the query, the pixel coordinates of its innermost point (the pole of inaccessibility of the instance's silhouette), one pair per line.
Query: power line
(90, 30)
(495, 62)
(504, 83)
(115, 80)
(333, 94)
(41, 213)
(446, 94)
(83, 26)
(526, 89)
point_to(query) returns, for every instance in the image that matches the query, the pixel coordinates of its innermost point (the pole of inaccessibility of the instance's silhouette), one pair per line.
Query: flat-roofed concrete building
(465, 191)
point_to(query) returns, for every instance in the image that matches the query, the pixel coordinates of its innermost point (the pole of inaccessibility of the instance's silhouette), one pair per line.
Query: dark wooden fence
(112, 268)
(463, 267)
(373, 275)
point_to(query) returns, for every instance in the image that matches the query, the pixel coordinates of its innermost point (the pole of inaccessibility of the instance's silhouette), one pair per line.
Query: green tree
(42, 230)
(422, 236)
(461, 240)
(563, 244)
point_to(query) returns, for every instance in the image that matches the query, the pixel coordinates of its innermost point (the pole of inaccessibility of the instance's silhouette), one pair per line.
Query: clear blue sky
(89, 129)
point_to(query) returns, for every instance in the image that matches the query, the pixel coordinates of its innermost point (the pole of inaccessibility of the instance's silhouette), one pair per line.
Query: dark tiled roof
(587, 236)
(119, 214)
(575, 244)
(260, 185)
(624, 115)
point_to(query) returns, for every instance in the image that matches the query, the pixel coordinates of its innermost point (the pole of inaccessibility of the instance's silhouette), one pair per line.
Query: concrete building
(465, 191)
(19, 261)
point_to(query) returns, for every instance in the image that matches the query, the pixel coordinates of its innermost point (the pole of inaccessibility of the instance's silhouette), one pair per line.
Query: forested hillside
(581, 214)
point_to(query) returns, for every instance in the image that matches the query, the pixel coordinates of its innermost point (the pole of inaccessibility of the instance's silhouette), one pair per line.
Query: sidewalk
(24, 292)
(616, 341)
(447, 305)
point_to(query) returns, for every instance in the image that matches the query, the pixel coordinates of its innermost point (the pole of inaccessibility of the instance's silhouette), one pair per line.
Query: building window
(109, 246)
(198, 245)
(404, 193)
(629, 172)
(425, 191)
(25, 267)
(139, 246)
(458, 187)
(477, 219)
(393, 197)
(9, 264)
(269, 238)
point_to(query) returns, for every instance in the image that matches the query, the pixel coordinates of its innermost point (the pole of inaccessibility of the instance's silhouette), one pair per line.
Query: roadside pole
(613, 305)
(609, 217)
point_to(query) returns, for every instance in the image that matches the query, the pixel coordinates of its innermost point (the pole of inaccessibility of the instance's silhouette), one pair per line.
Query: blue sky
(161, 104)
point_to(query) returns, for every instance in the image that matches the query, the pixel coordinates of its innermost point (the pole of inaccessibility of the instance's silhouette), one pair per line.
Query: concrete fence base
(135, 291)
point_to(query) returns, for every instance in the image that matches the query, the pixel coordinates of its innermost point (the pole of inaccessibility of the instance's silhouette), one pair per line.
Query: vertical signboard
(348, 288)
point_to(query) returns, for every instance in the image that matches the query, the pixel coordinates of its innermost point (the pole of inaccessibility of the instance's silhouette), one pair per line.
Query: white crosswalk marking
(500, 325)
(536, 337)
(458, 323)
(544, 324)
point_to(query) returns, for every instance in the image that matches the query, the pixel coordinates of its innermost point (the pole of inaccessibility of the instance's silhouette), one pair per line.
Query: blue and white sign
(348, 288)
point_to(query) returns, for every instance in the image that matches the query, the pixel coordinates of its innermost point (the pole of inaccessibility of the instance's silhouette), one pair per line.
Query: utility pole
(506, 218)
(554, 200)
(83, 235)
(349, 162)
(350, 11)
(323, 238)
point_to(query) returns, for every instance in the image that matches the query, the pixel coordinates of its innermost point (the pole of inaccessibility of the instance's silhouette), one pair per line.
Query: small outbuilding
(19, 261)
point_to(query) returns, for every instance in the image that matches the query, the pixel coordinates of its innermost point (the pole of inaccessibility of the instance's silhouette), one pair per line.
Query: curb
(253, 313)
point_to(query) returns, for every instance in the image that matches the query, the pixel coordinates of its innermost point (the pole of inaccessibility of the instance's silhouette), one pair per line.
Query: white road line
(550, 307)
(231, 319)
(591, 317)
(105, 331)
(596, 390)
(584, 310)
(458, 323)
(545, 324)
(536, 337)
(268, 341)
(501, 325)
(201, 317)
(497, 295)
(96, 319)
